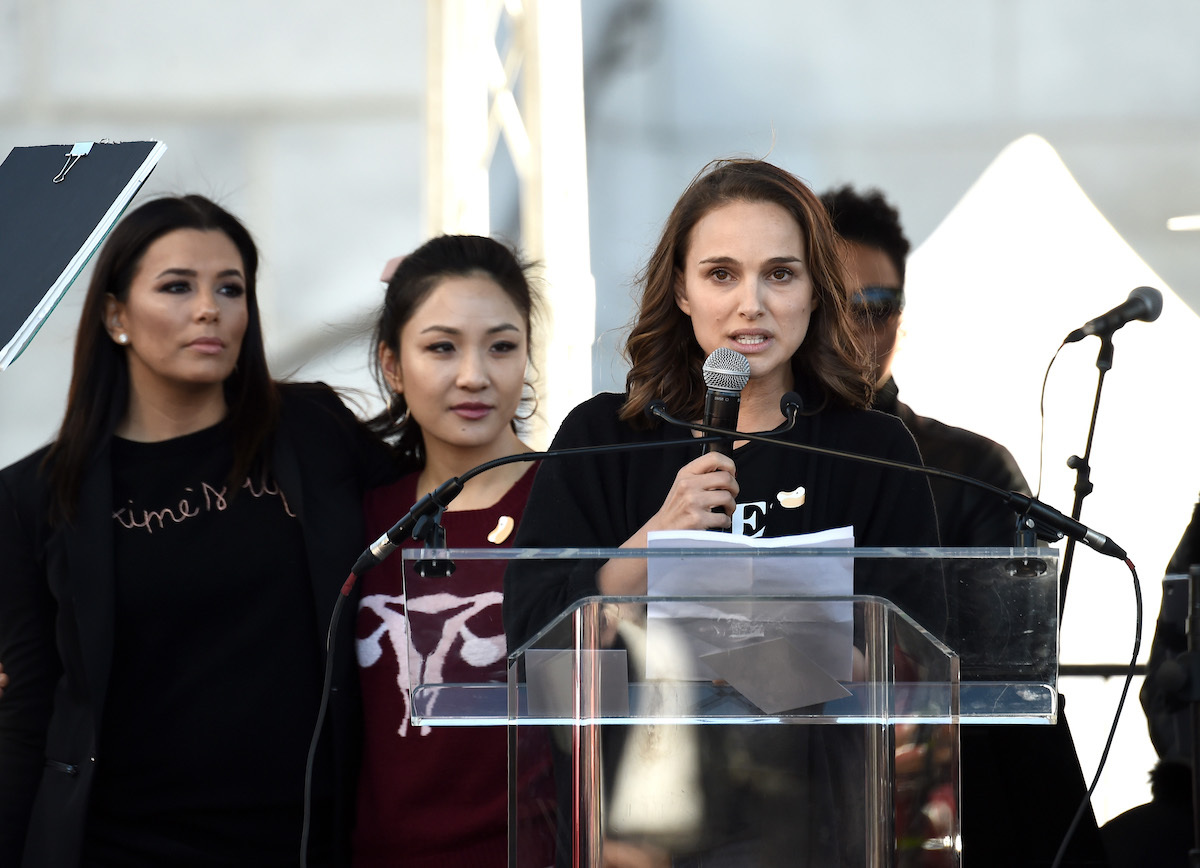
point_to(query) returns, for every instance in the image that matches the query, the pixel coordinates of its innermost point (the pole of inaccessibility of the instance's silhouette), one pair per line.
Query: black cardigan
(56, 618)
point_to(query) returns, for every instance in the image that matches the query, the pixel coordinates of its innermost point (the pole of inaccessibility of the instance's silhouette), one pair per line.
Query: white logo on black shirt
(750, 519)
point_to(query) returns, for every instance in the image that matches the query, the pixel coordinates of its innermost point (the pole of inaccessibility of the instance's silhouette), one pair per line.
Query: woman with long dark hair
(169, 566)
(453, 343)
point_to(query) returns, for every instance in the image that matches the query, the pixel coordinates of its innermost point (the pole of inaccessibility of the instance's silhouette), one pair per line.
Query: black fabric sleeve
(990, 520)
(578, 501)
(27, 649)
(969, 516)
(1168, 716)
(319, 408)
(900, 512)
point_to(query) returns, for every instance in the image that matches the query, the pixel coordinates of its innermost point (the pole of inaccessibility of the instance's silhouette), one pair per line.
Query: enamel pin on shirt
(503, 528)
(791, 499)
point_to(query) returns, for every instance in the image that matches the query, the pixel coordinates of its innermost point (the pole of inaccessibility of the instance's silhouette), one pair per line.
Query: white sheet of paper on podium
(57, 204)
(741, 642)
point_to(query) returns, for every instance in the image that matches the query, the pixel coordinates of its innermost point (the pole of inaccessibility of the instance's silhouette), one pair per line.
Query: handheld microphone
(432, 503)
(1144, 303)
(726, 373)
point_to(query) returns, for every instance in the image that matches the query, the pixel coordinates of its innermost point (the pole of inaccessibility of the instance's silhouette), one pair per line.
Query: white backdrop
(1022, 260)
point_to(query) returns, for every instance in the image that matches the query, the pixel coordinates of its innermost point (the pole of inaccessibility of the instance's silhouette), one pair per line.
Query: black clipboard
(57, 204)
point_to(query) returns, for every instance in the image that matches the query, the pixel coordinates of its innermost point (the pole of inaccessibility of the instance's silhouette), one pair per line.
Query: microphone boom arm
(440, 497)
(1031, 512)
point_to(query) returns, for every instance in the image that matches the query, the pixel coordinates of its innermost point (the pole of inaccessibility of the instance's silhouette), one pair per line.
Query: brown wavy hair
(665, 358)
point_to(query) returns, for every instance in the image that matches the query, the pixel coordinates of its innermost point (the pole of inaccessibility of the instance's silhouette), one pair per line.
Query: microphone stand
(1083, 470)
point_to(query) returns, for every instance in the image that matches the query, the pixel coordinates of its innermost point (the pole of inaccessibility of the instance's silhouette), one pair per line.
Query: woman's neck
(154, 417)
(443, 462)
(759, 406)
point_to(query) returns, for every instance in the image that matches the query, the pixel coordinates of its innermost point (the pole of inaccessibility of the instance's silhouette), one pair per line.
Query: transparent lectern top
(754, 656)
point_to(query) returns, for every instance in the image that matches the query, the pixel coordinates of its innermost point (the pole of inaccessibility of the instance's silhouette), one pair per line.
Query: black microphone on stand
(1144, 303)
(726, 373)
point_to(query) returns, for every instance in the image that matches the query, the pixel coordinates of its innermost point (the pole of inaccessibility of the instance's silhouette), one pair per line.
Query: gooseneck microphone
(425, 512)
(726, 373)
(1144, 303)
(1048, 521)
(438, 499)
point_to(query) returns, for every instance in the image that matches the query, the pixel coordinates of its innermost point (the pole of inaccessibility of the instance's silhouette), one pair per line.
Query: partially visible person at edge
(1013, 777)
(1161, 832)
(877, 252)
(170, 564)
(453, 347)
(747, 261)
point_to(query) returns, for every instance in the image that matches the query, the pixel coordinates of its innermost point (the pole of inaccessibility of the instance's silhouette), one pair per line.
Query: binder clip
(81, 149)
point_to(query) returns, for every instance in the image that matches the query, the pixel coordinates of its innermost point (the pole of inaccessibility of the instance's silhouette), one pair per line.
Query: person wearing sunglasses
(876, 250)
(1020, 785)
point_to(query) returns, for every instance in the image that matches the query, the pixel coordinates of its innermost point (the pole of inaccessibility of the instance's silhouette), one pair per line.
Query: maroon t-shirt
(438, 795)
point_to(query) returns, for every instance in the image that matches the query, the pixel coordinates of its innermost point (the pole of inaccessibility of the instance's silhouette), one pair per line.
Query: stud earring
(122, 338)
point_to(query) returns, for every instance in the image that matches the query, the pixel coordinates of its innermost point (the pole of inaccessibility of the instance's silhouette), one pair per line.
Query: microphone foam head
(1152, 299)
(727, 370)
(790, 402)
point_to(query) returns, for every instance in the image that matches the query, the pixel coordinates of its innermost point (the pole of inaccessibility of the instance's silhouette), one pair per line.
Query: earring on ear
(530, 401)
(393, 404)
(122, 338)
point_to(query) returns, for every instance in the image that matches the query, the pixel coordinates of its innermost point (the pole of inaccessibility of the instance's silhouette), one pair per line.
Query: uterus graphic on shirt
(433, 641)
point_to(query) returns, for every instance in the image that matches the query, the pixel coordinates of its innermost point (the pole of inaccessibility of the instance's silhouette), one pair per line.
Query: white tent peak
(1029, 199)
(1023, 259)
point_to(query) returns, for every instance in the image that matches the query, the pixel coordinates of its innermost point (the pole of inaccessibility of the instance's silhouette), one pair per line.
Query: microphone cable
(322, 710)
(1042, 421)
(1112, 731)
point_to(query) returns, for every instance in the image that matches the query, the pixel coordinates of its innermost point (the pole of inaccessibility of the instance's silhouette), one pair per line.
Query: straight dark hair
(99, 393)
(418, 275)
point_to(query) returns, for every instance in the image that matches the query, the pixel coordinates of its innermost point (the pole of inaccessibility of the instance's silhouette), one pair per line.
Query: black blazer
(57, 615)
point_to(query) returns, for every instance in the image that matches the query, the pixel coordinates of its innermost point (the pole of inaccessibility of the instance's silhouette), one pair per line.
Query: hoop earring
(401, 420)
(533, 408)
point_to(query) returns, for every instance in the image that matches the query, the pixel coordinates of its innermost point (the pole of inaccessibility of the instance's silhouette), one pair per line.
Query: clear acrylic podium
(761, 730)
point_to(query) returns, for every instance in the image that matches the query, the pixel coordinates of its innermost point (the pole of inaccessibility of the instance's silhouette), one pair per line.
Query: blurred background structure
(312, 122)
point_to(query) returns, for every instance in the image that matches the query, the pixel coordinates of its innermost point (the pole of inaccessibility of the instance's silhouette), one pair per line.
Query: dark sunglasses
(877, 302)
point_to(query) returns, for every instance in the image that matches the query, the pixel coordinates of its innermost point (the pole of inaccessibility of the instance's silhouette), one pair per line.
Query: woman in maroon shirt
(453, 347)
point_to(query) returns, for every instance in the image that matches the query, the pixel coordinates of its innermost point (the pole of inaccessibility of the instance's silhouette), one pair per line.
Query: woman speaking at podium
(168, 567)
(748, 261)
